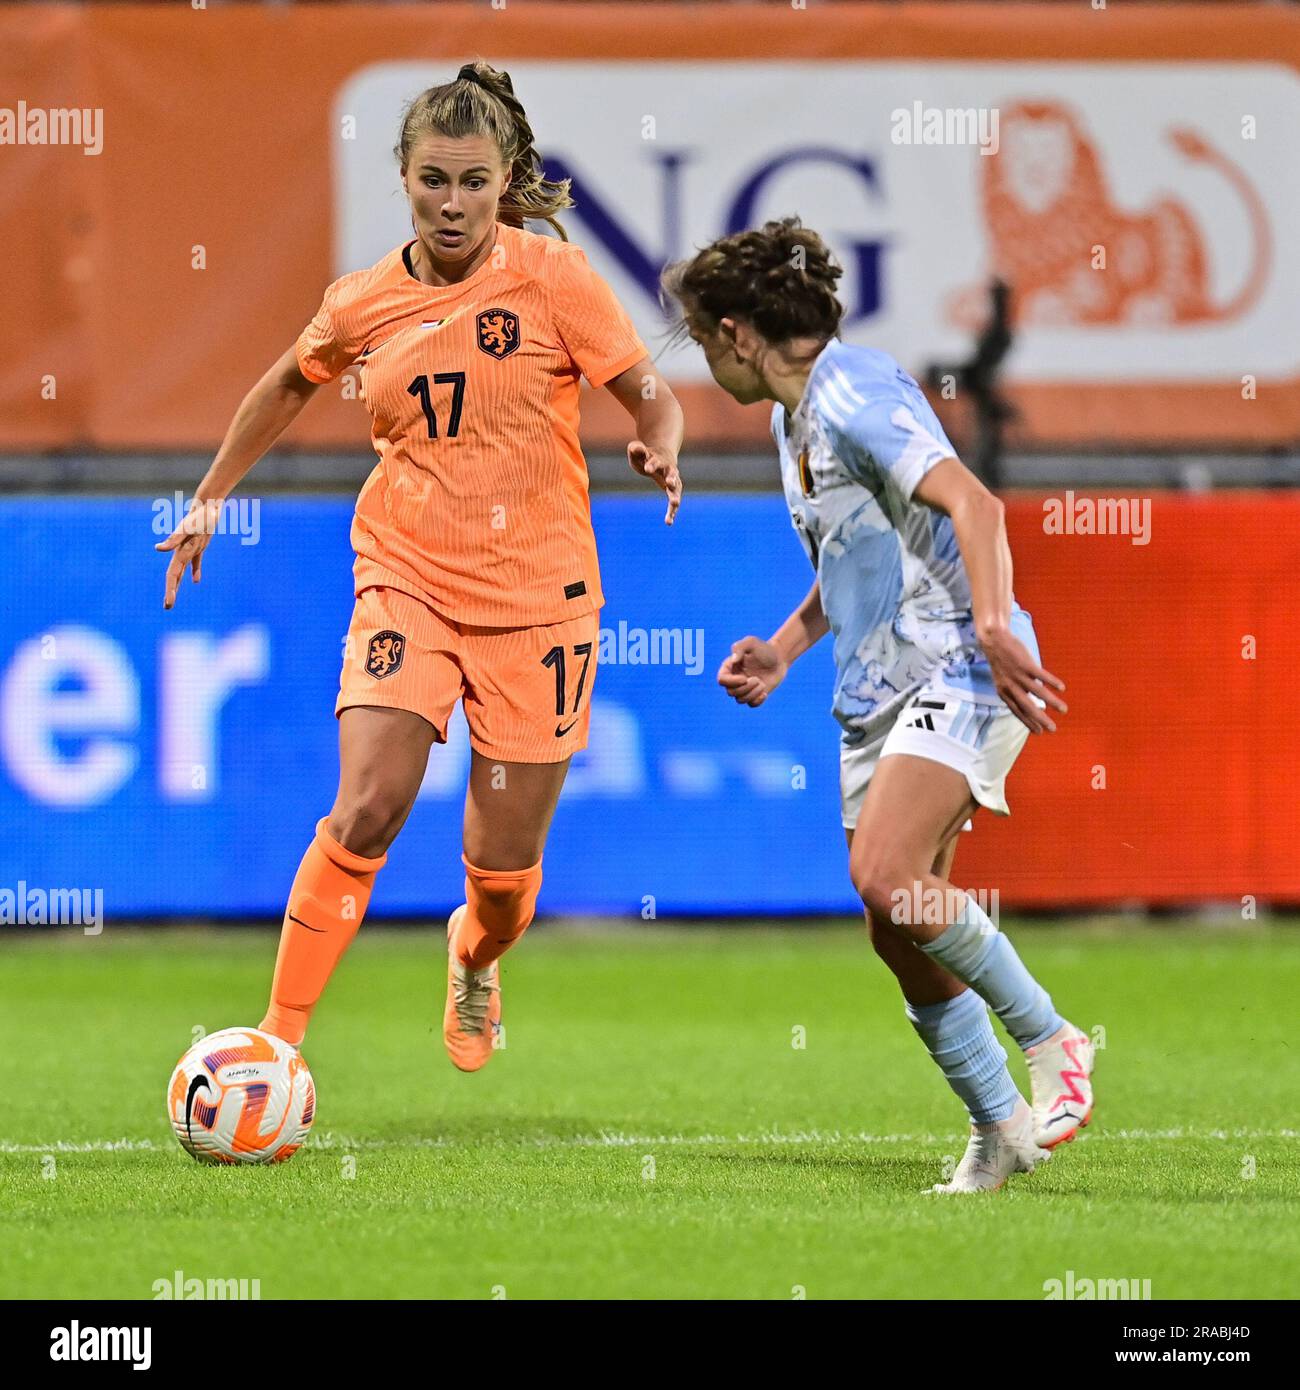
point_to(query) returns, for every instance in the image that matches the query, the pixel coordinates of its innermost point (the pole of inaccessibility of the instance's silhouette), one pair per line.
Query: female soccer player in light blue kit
(938, 681)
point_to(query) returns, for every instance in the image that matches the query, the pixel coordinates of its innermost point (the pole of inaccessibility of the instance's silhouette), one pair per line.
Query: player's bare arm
(755, 668)
(660, 425)
(979, 521)
(263, 416)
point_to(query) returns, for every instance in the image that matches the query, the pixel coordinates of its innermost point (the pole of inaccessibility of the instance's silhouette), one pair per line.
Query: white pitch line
(610, 1139)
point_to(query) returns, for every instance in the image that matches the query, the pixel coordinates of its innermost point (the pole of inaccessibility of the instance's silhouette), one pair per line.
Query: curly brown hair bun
(781, 278)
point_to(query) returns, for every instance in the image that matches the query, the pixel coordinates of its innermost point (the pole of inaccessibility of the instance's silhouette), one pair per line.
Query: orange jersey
(479, 504)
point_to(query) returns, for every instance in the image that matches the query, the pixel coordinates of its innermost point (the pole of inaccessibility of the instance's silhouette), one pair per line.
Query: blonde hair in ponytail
(481, 101)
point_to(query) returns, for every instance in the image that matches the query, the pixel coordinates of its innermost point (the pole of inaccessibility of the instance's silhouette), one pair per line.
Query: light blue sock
(979, 955)
(961, 1040)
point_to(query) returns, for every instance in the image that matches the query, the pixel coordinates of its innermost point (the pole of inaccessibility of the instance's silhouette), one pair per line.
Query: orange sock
(328, 899)
(501, 905)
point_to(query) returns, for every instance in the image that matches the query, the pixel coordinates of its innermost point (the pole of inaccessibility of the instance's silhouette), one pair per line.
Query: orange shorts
(527, 690)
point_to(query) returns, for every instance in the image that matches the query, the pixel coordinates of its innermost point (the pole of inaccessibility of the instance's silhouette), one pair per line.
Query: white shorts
(979, 741)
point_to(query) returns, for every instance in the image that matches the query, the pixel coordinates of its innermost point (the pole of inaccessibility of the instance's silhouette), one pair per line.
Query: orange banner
(149, 283)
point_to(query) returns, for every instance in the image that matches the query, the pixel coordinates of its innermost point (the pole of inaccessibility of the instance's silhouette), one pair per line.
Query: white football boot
(1059, 1075)
(995, 1152)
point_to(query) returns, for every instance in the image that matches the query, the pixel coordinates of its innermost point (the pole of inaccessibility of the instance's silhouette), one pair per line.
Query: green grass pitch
(650, 1130)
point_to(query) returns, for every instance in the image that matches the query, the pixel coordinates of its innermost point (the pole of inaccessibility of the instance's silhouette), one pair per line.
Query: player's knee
(880, 880)
(370, 825)
(499, 849)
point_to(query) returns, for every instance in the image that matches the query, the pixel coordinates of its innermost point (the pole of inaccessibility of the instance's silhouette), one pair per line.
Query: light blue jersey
(892, 580)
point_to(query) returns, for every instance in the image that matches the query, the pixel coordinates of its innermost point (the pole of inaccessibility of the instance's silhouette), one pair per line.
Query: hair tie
(468, 73)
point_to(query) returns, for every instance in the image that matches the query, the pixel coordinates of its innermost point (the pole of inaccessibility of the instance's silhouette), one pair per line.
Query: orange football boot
(472, 1021)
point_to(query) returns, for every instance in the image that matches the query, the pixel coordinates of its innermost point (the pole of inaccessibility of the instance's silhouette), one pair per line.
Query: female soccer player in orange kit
(475, 574)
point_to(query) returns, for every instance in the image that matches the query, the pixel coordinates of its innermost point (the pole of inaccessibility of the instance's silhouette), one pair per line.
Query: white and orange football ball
(241, 1096)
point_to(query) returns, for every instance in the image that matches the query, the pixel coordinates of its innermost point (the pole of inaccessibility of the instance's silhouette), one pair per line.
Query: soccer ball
(241, 1096)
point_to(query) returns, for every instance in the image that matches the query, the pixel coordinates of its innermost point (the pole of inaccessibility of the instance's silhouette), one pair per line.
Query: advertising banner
(181, 185)
(178, 761)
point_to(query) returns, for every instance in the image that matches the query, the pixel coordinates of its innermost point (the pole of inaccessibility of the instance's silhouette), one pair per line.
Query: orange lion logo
(498, 332)
(384, 655)
(1047, 209)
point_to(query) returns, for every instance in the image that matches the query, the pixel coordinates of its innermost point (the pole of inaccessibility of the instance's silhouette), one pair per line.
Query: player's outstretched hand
(661, 466)
(187, 544)
(752, 672)
(1017, 677)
